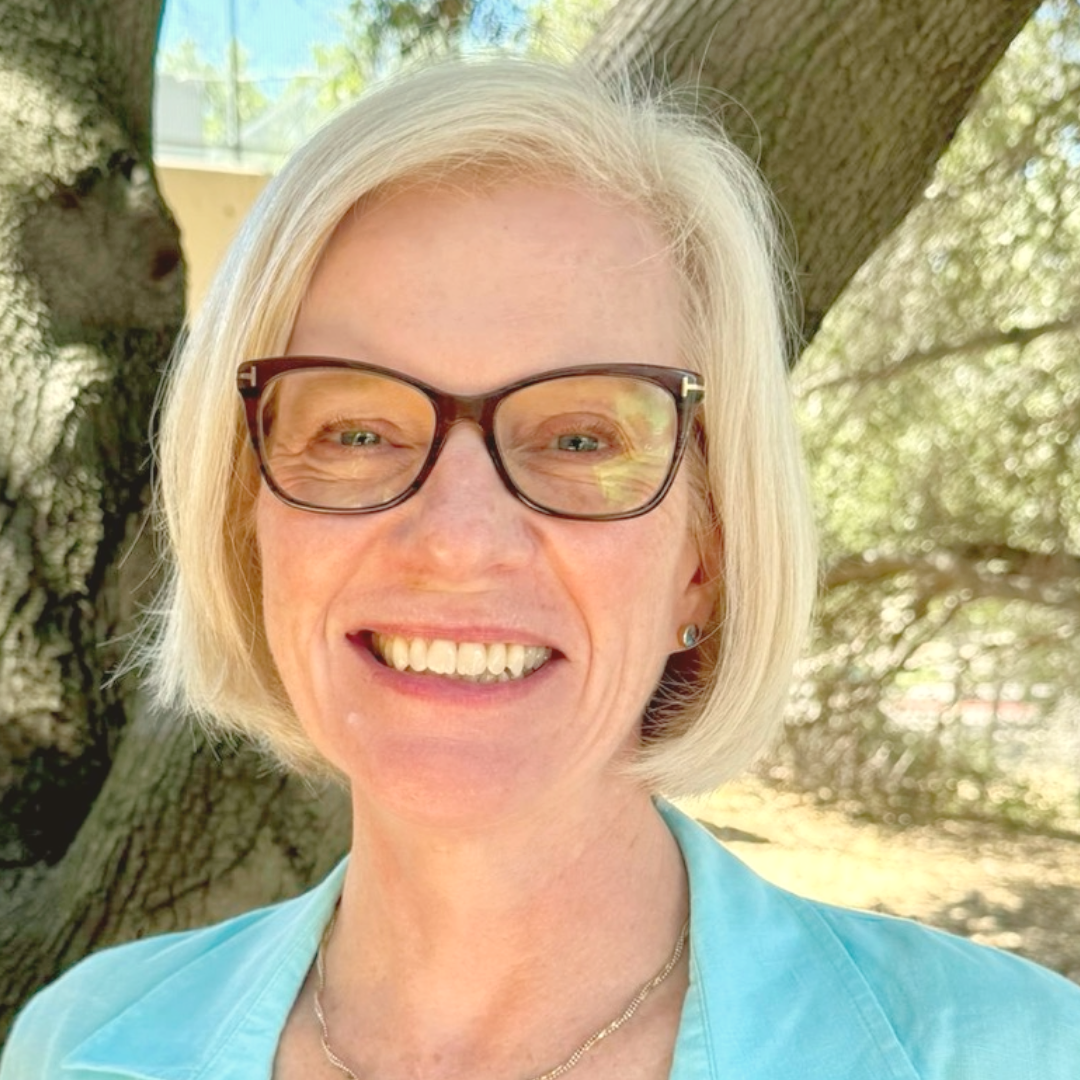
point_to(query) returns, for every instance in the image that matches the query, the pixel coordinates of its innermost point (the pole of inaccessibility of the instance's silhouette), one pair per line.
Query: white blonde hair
(475, 121)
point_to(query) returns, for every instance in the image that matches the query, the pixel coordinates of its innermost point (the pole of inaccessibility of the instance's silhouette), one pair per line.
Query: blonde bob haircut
(473, 123)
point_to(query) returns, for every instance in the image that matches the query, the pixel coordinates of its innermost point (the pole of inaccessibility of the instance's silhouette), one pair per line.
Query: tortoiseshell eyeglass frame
(686, 388)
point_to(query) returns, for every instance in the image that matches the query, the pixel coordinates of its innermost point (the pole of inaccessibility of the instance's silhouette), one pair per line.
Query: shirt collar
(220, 1014)
(772, 991)
(752, 945)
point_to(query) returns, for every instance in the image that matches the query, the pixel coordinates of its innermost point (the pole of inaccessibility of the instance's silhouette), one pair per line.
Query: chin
(443, 783)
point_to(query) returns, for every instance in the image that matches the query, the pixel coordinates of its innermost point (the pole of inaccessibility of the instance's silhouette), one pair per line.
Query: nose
(463, 521)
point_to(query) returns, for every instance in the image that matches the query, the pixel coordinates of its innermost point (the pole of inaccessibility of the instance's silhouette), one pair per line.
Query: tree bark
(91, 288)
(846, 105)
(183, 833)
(113, 822)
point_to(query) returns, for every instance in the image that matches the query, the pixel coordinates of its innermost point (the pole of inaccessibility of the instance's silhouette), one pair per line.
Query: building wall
(209, 205)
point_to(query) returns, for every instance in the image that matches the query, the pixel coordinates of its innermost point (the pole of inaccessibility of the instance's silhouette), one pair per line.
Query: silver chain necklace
(589, 1044)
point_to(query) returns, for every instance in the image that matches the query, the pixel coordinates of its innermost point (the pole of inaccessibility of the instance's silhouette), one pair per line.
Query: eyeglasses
(594, 443)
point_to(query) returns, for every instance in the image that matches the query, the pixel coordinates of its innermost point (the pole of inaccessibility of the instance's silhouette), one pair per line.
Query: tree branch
(882, 86)
(1016, 336)
(985, 570)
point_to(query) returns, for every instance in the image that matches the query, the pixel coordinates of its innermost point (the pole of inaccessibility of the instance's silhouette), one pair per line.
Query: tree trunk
(846, 105)
(181, 834)
(104, 837)
(91, 292)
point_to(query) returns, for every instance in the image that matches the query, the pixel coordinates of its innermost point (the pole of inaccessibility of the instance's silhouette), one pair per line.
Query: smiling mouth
(469, 661)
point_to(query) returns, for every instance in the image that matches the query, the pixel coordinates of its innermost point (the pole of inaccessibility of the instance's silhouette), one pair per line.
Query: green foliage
(376, 37)
(560, 28)
(380, 34)
(941, 414)
(231, 98)
(892, 773)
(397, 29)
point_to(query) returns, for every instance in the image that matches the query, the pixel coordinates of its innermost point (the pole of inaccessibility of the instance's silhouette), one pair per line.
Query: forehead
(522, 276)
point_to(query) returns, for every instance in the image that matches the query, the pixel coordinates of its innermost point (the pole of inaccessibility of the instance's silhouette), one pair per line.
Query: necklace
(590, 1043)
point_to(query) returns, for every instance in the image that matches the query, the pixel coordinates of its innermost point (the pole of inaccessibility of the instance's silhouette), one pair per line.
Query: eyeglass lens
(583, 445)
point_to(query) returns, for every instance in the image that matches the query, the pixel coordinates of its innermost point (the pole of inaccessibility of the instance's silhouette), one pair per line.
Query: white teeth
(417, 655)
(470, 660)
(496, 658)
(442, 657)
(515, 660)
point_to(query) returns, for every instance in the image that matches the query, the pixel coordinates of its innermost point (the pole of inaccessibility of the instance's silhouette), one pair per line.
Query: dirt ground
(1017, 891)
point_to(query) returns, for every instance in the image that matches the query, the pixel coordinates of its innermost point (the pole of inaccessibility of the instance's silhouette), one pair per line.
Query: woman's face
(469, 292)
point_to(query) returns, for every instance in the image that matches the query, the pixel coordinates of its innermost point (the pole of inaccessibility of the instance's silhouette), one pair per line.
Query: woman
(507, 527)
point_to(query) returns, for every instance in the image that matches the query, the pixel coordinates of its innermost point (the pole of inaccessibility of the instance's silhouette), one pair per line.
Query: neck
(519, 929)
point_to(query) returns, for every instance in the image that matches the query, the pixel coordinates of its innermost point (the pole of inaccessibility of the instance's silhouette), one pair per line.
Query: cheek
(279, 572)
(295, 571)
(301, 554)
(280, 588)
(638, 574)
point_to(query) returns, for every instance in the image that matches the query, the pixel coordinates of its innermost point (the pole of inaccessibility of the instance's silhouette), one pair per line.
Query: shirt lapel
(221, 1013)
(772, 991)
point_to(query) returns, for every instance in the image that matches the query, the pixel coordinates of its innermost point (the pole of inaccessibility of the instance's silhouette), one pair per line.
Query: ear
(700, 574)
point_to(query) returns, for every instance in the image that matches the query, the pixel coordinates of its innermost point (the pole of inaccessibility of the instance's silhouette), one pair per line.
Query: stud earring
(689, 635)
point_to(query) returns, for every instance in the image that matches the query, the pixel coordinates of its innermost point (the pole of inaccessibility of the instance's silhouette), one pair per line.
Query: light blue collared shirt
(781, 988)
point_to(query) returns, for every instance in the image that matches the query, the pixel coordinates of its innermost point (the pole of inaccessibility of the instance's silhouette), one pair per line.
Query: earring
(689, 635)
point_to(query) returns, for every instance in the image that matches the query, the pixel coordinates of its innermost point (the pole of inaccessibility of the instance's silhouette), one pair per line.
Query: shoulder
(885, 996)
(94, 991)
(961, 1010)
(144, 986)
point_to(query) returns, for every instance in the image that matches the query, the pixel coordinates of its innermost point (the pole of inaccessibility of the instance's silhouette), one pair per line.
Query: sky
(277, 35)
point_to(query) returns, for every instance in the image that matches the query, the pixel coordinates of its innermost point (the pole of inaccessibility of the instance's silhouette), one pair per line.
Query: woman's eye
(359, 438)
(578, 443)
